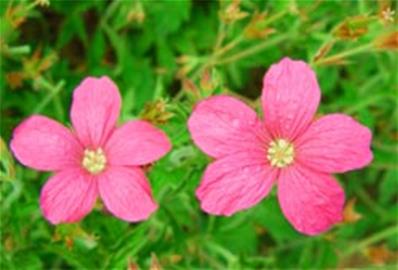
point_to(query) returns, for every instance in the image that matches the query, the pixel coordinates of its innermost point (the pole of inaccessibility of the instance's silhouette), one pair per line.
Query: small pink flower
(94, 159)
(289, 148)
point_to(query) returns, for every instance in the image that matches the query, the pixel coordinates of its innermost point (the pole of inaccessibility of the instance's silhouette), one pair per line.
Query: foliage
(165, 56)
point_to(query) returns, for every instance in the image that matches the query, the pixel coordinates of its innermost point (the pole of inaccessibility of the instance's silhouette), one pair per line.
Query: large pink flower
(289, 148)
(94, 159)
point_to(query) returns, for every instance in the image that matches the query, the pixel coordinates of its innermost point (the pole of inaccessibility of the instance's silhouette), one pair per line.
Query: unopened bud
(352, 28)
(233, 13)
(387, 42)
(205, 81)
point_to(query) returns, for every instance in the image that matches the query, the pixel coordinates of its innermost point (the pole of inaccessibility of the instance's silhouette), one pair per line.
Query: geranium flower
(289, 147)
(95, 158)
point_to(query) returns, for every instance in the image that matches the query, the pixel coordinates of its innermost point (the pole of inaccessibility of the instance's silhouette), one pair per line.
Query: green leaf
(388, 188)
(73, 26)
(241, 239)
(165, 17)
(269, 215)
(27, 260)
(97, 49)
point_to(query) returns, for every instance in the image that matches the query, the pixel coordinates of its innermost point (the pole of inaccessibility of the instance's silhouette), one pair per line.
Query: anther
(280, 153)
(94, 161)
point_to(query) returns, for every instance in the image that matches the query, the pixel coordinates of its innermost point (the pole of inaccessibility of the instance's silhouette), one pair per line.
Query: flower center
(280, 153)
(94, 161)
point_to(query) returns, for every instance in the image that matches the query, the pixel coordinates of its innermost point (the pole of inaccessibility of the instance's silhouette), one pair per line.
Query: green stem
(220, 36)
(275, 17)
(206, 64)
(374, 207)
(54, 91)
(371, 240)
(329, 41)
(391, 148)
(229, 46)
(218, 52)
(341, 56)
(110, 10)
(375, 99)
(116, 44)
(18, 50)
(243, 54)
(211, 223)
(228, 255)
(241, 37)
(383, 166)
(255, 49)
(158, 88)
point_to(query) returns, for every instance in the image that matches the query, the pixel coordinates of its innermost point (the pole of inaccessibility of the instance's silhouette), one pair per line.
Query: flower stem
(390, 231)
(372, 100)
(53, 95)
(253, 50)
(241, 37)
(18, 50)
(383, 214)
(340, 56)
(219, 51)
(220, 36)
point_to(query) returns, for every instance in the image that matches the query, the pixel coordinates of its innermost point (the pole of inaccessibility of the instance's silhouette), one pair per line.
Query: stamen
(94, 161)
(280, 153)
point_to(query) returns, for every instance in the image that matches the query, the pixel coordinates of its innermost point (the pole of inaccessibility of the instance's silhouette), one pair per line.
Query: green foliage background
(165, 56)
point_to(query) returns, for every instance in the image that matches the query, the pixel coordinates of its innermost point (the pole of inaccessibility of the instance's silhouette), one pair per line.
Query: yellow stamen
(280, 153)
(94, 161)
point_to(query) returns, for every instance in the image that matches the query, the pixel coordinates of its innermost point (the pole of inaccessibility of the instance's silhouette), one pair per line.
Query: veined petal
(311, 201)
(290, 98)
(222, 125)
(68, 196)
(235, 182)
(44, 144)
(335, 143)
(95, 109)
(126, 193)
(136, 143)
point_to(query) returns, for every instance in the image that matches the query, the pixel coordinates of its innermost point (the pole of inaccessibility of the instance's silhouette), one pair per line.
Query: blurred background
(165, 56)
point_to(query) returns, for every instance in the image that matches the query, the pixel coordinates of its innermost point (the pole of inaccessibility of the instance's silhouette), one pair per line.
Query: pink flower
(94, 159)
(288, 148)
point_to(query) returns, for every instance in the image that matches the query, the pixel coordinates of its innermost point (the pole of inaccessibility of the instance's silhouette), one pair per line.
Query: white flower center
(94, 161)
(280, 153)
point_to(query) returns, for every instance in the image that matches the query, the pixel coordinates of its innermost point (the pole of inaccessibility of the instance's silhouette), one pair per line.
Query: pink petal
(68, 196)
(335, 143)
(44, 144)
(126, 193)
(235, 182)
(95, 109)
(221, 125)
(290, 98)
(311, 201)
(137, 143)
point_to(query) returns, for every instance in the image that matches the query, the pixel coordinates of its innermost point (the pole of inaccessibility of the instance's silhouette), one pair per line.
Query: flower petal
(126, 193)
(68, 196)
(95, 109)
(235, 182)
(290, 98)
(311, 201)
(136, 143)
(335, 143)
(222, 125)
(44, 144)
